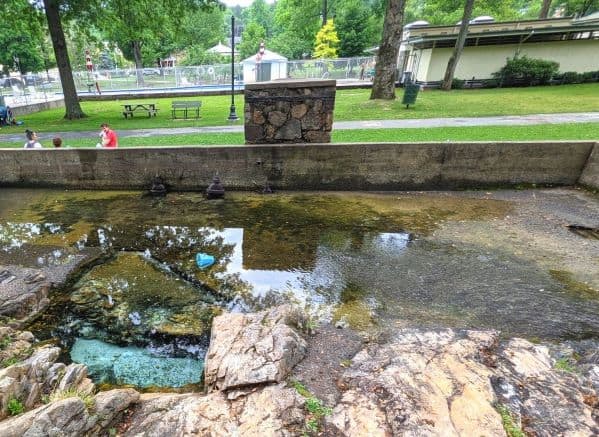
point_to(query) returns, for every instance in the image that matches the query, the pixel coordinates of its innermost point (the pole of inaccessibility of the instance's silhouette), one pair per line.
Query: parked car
(151, 71)
(37, 79)
(9, 82)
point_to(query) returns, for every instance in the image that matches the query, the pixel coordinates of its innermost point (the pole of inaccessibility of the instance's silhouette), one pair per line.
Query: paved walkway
(507, 120)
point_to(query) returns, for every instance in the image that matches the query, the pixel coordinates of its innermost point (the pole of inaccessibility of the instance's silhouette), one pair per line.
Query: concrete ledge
(590, 173)
(381, 166)
(30, 108)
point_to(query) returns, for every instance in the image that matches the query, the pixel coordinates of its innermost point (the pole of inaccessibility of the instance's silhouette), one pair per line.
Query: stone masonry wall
(289, 111)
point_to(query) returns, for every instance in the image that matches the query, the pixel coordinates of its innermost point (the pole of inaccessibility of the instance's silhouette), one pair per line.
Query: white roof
(416, 24)
(220, 49)
(591, 17)
(267, 56)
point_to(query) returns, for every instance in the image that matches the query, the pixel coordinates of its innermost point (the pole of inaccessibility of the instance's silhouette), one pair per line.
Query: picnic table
(130, 108)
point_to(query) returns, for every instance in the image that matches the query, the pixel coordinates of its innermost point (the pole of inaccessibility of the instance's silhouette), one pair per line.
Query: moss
(357, 314)
(510, 427)
(87, 398)
(565, 364)
(573, 286)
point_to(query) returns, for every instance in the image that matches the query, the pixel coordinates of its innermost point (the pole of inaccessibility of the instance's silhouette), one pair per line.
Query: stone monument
(289, 111)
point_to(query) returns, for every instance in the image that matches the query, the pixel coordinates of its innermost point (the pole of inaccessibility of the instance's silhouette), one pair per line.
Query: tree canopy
(326, 41)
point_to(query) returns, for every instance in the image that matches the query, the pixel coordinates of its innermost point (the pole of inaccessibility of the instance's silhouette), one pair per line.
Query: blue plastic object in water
(204, 260)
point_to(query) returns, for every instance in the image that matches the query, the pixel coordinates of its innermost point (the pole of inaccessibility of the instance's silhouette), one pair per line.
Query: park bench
(186, 108)
(130, 108)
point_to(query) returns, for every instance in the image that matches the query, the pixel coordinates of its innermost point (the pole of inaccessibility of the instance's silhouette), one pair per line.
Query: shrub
(15, 407)
(457, 84)
(525, 71)
(490, 83)
(590, 76)
(571, 77)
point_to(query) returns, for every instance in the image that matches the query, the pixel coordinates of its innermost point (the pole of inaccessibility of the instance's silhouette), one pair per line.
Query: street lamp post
(232, 114)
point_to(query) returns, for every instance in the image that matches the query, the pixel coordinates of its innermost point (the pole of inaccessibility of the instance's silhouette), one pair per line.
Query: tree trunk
(138, 62)
(383, 86)
(459, 46)
(545, 9)
(71, 101)
(584, 8)
(324, 12)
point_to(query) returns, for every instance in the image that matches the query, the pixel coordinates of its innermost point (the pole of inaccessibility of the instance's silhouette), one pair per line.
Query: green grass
(511, 429)
(565, 364)
(566, 131)
(354, 104)
(349, 105)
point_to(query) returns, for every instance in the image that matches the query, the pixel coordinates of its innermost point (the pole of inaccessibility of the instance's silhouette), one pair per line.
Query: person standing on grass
(32, 142)
(110, 139)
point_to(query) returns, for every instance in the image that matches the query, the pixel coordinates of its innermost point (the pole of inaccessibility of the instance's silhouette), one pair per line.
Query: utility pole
(232, 115)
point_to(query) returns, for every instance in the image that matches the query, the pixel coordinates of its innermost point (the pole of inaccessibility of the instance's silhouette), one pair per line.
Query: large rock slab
(270, 411)
(70, 417)
(253, 349)
(450, 383)
(541, 399)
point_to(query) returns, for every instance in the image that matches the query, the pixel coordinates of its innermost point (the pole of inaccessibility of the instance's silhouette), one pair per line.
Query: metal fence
(44, 87)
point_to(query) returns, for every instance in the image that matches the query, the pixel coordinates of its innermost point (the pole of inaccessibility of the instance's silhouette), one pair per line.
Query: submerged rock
(132, 299)
(135, 366)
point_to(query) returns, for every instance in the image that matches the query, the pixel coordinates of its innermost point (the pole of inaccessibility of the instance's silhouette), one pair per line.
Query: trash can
(409, 95)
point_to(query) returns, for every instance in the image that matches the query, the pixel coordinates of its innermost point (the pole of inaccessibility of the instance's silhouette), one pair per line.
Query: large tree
(580, 8)
(383, 85)
(22, 50)
(261, 13)
(253, 35)
(354, 27)
(544, 13)
(459, 46)
(71, 102)
(296, 25)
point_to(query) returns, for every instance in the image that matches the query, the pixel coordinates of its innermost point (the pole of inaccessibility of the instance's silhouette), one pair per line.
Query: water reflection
(350, 256)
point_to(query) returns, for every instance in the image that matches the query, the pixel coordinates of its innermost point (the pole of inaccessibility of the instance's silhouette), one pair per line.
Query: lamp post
(232, 114)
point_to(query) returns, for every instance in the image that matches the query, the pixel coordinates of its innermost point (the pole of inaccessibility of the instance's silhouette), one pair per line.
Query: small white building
(264, 66)
(573, 43)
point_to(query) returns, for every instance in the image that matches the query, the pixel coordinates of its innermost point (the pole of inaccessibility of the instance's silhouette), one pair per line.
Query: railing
(203, 76)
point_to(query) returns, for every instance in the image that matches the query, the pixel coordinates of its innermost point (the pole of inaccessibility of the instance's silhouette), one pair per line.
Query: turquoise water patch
(134, 366)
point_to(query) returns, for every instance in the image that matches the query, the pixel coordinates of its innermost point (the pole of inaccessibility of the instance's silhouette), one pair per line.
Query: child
(57, 141)
(32, 142)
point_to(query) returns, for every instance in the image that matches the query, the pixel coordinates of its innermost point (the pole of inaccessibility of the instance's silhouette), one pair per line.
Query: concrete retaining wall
(590, 173)
(37, 107)
(388, 166)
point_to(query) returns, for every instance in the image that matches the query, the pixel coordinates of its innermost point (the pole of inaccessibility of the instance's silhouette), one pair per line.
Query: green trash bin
(409, 94)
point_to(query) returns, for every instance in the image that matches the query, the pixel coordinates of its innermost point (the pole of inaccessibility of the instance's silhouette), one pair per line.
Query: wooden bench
(130, 108)
(183, 107)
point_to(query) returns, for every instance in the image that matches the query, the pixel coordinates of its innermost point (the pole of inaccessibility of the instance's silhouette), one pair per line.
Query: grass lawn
(349, 105)
(571, 131)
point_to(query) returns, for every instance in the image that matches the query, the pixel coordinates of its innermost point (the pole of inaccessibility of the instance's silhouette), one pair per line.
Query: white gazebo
(221, 49)
(264, 66)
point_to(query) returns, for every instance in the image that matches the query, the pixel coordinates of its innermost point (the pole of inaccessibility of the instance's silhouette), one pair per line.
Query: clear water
(372, 260)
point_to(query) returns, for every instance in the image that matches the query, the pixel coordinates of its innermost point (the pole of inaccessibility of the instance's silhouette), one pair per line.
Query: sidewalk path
(506, 120)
